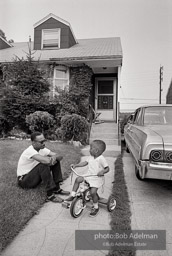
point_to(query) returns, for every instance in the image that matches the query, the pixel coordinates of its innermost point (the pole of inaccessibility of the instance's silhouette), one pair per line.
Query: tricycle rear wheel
(111, 204)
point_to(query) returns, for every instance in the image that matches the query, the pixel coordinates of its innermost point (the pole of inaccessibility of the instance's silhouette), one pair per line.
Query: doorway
(105, 98)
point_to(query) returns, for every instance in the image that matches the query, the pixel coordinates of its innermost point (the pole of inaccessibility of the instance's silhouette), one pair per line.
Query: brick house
(58, 50)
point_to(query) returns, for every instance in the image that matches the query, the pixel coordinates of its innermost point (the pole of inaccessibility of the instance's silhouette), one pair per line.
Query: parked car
(148, 137)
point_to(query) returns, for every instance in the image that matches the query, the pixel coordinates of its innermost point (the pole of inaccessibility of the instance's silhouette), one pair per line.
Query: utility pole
(160, 82)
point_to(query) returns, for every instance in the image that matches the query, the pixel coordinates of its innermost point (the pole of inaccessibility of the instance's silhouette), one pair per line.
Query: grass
(18, 205)
(121, 216)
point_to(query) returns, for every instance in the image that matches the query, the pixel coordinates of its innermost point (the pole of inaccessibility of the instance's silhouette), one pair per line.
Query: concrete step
(104, 135)
(111, 151)
(107, 141)
(108, 132)
(105, 129)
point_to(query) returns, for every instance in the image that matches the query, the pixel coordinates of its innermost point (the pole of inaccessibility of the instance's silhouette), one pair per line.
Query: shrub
(15, 110)
(18, 133)
(40, 121)
(24, 91)
(4, 127)
(73, 127)
(123, 120)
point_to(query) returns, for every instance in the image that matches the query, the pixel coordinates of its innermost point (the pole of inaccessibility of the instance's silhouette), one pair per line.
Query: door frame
(114, 95)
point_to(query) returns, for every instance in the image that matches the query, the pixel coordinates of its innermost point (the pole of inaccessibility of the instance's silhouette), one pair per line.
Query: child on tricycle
(97, 167)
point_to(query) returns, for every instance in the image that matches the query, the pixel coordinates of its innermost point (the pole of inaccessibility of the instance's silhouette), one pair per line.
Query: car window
(137, 117)
(158, 115)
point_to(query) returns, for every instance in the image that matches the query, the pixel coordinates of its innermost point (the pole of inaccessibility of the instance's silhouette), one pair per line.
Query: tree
(26, 91)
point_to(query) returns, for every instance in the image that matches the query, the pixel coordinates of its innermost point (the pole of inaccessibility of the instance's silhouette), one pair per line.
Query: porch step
(100, 135)
(106, 126)
(107, 131)
(107, 141)
(111, 151)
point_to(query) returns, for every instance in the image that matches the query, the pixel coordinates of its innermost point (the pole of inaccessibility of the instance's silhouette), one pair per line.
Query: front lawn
(17, 206)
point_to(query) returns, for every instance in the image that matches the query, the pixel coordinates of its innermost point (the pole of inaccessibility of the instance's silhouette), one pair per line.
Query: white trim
(42, 38)
(51, 15)
(6, 41)
(60, 68)
(119, 92)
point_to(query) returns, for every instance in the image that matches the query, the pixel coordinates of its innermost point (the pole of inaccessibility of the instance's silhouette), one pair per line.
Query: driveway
(151, 205)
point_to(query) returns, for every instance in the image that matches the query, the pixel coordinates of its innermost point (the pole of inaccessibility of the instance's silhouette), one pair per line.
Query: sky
(144, 26)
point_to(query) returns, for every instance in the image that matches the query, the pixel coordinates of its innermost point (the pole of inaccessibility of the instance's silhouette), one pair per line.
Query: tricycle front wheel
(76, 207)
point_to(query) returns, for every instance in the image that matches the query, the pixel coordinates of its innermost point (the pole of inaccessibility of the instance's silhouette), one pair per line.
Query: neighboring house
(58, 50)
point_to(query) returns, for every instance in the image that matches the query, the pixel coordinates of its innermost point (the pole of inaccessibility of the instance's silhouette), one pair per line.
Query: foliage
(4, 126)
(76, 98)
(18, 133)
(15, 109)
(123, 120)
(68, 105)
(26, 91)
(73, 127)
(25, 78)
(40, 121)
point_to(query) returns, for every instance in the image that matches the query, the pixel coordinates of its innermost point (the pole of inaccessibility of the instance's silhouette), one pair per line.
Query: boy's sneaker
(94, 212)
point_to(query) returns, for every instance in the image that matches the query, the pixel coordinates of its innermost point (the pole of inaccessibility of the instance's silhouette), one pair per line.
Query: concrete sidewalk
(52, 231)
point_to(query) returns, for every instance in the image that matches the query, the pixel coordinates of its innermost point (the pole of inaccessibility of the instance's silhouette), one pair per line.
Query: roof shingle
(96, 48)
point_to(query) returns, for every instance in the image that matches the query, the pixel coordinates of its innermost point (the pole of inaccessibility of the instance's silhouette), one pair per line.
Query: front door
(105, 98)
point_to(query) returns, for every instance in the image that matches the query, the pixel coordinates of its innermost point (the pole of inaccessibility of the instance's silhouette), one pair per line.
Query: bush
(73, 127)
(24, 90)
(18, 133)
(40, 121)
(4, 127)
(123, 120)
(15, 109)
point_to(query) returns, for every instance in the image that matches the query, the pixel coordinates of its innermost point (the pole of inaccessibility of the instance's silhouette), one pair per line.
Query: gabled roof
(86, 49)
(5, 42)
(51, 15)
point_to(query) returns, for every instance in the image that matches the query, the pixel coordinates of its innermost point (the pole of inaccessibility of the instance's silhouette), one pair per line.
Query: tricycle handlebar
(83, 175)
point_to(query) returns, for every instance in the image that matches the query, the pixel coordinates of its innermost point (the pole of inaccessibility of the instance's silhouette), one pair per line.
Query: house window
(61, 78)
(50, 38)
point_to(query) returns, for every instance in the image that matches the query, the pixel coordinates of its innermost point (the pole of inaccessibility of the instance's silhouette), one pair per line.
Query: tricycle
(83, 196)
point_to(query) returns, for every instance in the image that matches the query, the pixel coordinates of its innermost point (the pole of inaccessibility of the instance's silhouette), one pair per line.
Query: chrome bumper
(158, 170)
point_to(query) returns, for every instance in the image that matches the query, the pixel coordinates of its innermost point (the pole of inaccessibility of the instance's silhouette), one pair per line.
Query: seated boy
(97, 165)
